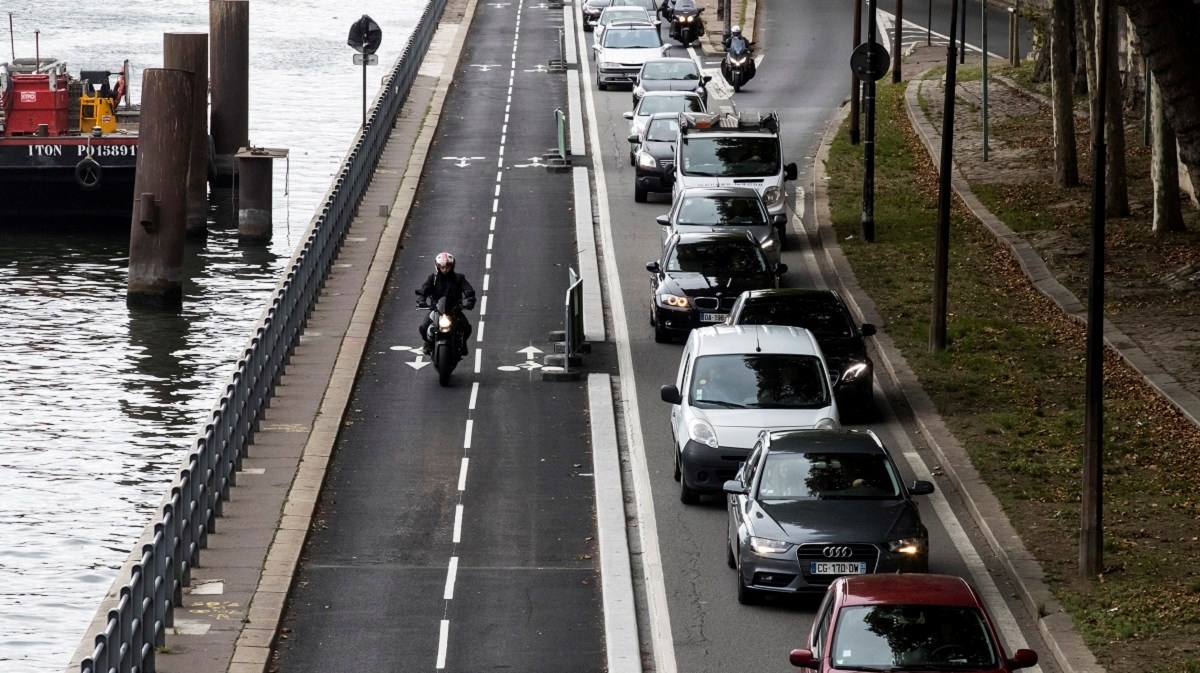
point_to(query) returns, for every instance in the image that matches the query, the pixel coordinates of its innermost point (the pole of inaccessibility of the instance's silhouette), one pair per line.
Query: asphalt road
(805, 81)
(936, 14)
(456, 527)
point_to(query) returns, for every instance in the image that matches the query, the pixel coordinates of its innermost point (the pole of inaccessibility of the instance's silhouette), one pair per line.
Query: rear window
(822, 315)
(759, 381)
(717, 258)
(637, 38)
(671, 70)
(828, 476)
(652, 104)
(663, 130)
(738, 211)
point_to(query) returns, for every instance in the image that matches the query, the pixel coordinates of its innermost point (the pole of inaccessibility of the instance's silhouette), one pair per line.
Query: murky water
(98, 403)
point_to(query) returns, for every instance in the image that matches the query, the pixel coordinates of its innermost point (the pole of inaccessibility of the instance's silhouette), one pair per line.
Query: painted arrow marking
(463, 162)
(485, 67)
(527, 365)
(418, 363)
(534, 162)
(529, 352)
(498, 5)
(540, 68)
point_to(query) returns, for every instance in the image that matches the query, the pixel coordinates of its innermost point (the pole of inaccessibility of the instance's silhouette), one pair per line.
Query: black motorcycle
(738, 65)
(445, 338)
(686, 24)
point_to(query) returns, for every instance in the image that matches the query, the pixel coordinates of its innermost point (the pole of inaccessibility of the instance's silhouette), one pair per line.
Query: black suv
(700, 276)
(825, 314)
(654, 162)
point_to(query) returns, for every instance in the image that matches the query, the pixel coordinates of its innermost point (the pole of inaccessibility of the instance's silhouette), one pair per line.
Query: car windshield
(731, 157)
(740, 211)
(717, 258)
(671, 70)
(623, 14)
(823, 315)
(759, 381)
(922, 637)
(663, 130)
(828, 476)
(637, 38)
(652, 104)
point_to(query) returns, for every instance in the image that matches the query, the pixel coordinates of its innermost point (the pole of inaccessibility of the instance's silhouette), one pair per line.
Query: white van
(735, 381)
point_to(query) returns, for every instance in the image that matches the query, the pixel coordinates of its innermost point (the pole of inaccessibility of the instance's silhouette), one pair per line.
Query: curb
(1056, 627)
(253, 648)
(589, 265)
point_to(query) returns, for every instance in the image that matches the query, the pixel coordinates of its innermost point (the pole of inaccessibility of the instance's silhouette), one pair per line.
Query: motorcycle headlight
(826, 424)
(649, 162)
(739, 61)
(763, 546)
(773, 196)
(854, 371)
(688, 19)
(701, 431)
(674, 301)
(909, 546)
(444, 323)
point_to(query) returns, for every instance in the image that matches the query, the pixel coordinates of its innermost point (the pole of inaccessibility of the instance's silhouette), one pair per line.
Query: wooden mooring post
(254, 197)
(229, 57)
(159, 219)
(189, 51)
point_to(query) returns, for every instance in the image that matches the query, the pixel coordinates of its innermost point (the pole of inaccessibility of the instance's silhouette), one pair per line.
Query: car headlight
(909, 546)
(763, 546)
(607, 65)
(768, 245)
(826, 424)
(647, 161)
(701, 431)
(854, 371)
(773, 196)
(672, 300)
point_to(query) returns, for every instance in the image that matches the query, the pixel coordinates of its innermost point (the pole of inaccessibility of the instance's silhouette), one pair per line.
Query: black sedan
(841, 339)
(809, 506)
(670, 73)
(700, 276)
(654, 163)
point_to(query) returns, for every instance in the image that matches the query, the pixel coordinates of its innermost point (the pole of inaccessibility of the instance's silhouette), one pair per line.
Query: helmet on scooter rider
(736, 31)
(444, 262)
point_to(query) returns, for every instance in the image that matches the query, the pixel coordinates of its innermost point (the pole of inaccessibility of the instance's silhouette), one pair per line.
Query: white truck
(728, 149)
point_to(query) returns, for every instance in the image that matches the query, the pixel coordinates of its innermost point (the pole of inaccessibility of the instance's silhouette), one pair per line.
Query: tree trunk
(1167, 30)
(1041, 47)
(1135, 74)
(1163, 167)
(1066, 155)
(1116, 185)
(1085, 15)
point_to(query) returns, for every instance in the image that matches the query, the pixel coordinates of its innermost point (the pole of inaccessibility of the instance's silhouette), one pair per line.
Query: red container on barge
(66, 152)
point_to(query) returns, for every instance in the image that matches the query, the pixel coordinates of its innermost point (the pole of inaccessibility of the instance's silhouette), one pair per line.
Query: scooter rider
(459, 294)
(736, 43)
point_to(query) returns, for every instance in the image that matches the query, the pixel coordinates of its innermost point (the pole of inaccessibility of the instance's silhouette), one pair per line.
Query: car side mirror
(1023, 659)
(789, 171)
(670, 394)
(666, 49)
(633, 138)
(706, 79)
(834, 377)
(735, 487)
(921, 487)
(802, 658)
(780, 269)
(627, 115)
(664, 220)
(652, 267)
(417, 292)
(867, 329)
(779, 220)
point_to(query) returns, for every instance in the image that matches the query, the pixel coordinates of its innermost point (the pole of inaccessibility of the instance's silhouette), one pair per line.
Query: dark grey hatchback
(809, 506)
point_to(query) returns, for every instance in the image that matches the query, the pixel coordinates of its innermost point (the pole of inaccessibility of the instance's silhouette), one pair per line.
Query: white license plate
(836, 568)
(713, 317)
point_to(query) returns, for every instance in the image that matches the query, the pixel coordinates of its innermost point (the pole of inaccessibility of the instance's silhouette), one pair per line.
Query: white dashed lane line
(451, 574)
(458, 516)
(462, 474)
(467, 435)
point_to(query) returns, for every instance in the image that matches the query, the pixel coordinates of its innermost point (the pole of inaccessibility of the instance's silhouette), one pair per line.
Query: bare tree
(1062, 34)
(1164, 167)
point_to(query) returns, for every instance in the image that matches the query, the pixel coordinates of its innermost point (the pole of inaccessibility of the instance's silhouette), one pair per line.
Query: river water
(98, 403)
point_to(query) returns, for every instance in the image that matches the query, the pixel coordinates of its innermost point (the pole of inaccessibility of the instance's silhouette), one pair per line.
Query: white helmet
(444, 262)
(736, 30)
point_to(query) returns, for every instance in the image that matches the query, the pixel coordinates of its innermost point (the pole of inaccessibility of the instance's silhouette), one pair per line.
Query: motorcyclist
(445, 282)
(736, 39)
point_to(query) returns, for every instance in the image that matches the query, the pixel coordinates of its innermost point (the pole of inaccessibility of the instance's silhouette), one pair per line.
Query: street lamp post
(941, 264)
(854, 87)
(898, 44)
(868, 211)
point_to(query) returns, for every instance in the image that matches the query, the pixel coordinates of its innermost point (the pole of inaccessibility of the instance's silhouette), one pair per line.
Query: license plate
(837, 568)
(713, 317)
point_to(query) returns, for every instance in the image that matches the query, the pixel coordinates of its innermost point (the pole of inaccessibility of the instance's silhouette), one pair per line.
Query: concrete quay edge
(1054, 624)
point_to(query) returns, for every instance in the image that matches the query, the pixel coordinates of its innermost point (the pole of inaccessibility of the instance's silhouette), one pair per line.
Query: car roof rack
(725, 120)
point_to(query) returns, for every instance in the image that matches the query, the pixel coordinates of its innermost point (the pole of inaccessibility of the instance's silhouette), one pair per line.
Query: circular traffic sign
(870, 61)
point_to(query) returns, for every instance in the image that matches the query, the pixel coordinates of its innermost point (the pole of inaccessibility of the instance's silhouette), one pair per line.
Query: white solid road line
(451, 574)
(657, 609)
(467, 434)
(462, 474)
(443, 640)
(458, 516)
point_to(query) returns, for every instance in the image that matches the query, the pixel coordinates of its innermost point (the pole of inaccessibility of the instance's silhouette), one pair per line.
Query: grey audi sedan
(809, 506)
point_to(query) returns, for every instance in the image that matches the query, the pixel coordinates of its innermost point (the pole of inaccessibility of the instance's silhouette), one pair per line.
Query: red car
(917, 623)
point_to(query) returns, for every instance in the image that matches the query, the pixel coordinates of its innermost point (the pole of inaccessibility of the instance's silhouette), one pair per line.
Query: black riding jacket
(453, 286)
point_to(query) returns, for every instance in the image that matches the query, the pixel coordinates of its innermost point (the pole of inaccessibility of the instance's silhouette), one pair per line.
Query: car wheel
(730, 558)
(746, 595)
(687, 494)
(639, 194)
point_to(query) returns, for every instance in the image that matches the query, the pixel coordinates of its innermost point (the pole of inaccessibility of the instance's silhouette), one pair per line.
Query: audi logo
(837, 552)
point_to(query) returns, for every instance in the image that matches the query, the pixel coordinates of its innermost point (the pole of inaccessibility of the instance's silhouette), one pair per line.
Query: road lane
(456, 529)
(709, 630)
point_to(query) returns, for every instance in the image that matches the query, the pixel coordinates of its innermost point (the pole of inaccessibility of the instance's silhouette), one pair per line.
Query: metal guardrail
(145, 609)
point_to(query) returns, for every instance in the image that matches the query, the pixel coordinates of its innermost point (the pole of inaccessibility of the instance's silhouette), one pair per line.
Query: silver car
(659, 101)
(613, 14)
(703, 209)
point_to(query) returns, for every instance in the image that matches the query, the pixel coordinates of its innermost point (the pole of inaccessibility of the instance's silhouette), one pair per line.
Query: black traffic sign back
(876, 68)
(365, 35)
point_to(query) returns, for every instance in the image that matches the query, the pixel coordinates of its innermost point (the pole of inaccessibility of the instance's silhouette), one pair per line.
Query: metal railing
(145, 609)
(573, 318)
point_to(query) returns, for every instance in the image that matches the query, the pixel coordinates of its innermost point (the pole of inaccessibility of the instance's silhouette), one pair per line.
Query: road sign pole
(899, 30)
(941, 262)
(854, 84)
(984, 22)
(364, 105)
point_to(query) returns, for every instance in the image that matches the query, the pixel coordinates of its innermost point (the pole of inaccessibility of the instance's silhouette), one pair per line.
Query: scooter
(738, 65)
(446, 338)
(686, 24)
